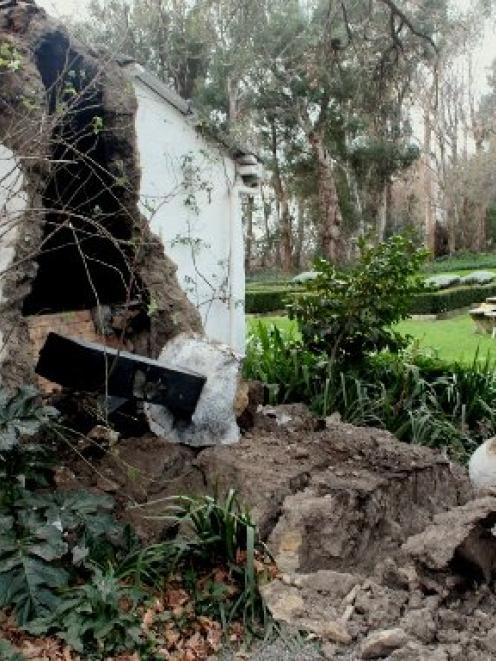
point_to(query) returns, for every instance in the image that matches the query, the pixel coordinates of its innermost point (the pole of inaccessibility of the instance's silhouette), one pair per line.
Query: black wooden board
(89, 367)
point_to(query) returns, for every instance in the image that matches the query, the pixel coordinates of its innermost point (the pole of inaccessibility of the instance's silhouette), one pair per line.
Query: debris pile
(382, 550)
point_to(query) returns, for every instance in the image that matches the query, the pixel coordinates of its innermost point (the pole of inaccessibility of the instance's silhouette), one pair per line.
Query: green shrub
(461, 262)
(348, 314)
(266, 300)
(426, 302)
(22, 414)
(414, 395)
(450, 299)
(98, 617)
(216, 533)
(278, 359)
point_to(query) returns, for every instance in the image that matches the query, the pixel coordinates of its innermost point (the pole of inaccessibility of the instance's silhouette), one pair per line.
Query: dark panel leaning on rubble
(89, 367)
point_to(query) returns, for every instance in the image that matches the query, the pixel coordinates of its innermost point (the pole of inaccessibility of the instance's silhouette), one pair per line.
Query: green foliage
(218, 542)
(415, 396)
(348, 314)
(260, 301)
(224, 533)
(10, 58)
(45, 536)
(22, 414)
(461, 262)
(385, 156)
(67, 568)
(45, 539)
(28, 578)
(279, 360)
(97, 618)
(8, 653)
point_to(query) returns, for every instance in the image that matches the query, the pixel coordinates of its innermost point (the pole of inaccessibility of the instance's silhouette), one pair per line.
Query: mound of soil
(383, 550)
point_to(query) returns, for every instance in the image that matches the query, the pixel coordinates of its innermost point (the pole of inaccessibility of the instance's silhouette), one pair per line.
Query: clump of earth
(383, 549)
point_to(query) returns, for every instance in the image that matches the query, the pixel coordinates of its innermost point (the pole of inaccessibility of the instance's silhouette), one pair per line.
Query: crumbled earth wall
(25, 129)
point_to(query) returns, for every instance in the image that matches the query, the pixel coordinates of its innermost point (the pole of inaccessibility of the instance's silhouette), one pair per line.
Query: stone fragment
(420, 624)
(482, 466)
(214, 420)
(380, 644)
(329, 651)
(327, 630)
(284, 602)
(463, 533)
(103, 435)
(489, 642)
(300, 608)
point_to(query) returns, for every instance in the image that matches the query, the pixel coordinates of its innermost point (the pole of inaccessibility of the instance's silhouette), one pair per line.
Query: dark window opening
(85, 253)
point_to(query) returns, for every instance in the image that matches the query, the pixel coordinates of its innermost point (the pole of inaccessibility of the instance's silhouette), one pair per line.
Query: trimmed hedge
(260, 302)
(451, 299)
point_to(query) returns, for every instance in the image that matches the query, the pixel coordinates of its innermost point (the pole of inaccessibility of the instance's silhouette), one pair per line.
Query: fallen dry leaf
(176, 598)
(148, 619)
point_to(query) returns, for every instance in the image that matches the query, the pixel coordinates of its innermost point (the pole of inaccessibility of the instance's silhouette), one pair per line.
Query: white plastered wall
(189, 193)
(13, 203)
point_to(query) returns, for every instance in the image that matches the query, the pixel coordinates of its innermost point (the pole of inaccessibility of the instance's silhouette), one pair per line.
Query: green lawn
(454, 339)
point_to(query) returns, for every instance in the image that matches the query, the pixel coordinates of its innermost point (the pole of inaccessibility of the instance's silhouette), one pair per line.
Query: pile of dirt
(383, 550)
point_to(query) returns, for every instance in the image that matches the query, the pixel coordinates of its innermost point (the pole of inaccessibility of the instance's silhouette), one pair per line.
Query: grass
(453, 339)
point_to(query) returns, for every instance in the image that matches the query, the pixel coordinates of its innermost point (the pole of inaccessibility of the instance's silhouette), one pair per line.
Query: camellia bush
(347, 314)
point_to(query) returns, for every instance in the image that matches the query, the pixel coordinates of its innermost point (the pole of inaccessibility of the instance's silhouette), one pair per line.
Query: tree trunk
(384, 211)
(267, 249)
(331, 220)
(300, 236)
(429, 218)
(249, 207)
(285, 229)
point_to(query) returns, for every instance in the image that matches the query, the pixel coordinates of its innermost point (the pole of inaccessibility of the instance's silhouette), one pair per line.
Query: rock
(415, 652)
(337, 632)
(478, 278)
(293, 417)
(329, 651)
(214, 420)
(482, 466)
(333, 419)
(256, 397)
(327, 630)
(381, 643)
(284, 602)
(463, 534)
(295, 607)
(103, 435)
(420, 624)
(489, 642)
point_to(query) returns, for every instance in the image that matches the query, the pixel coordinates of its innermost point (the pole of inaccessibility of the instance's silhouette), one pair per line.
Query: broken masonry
(78, 258)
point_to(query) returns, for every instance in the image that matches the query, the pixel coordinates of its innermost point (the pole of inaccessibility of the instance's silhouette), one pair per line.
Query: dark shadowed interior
(85, 254)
